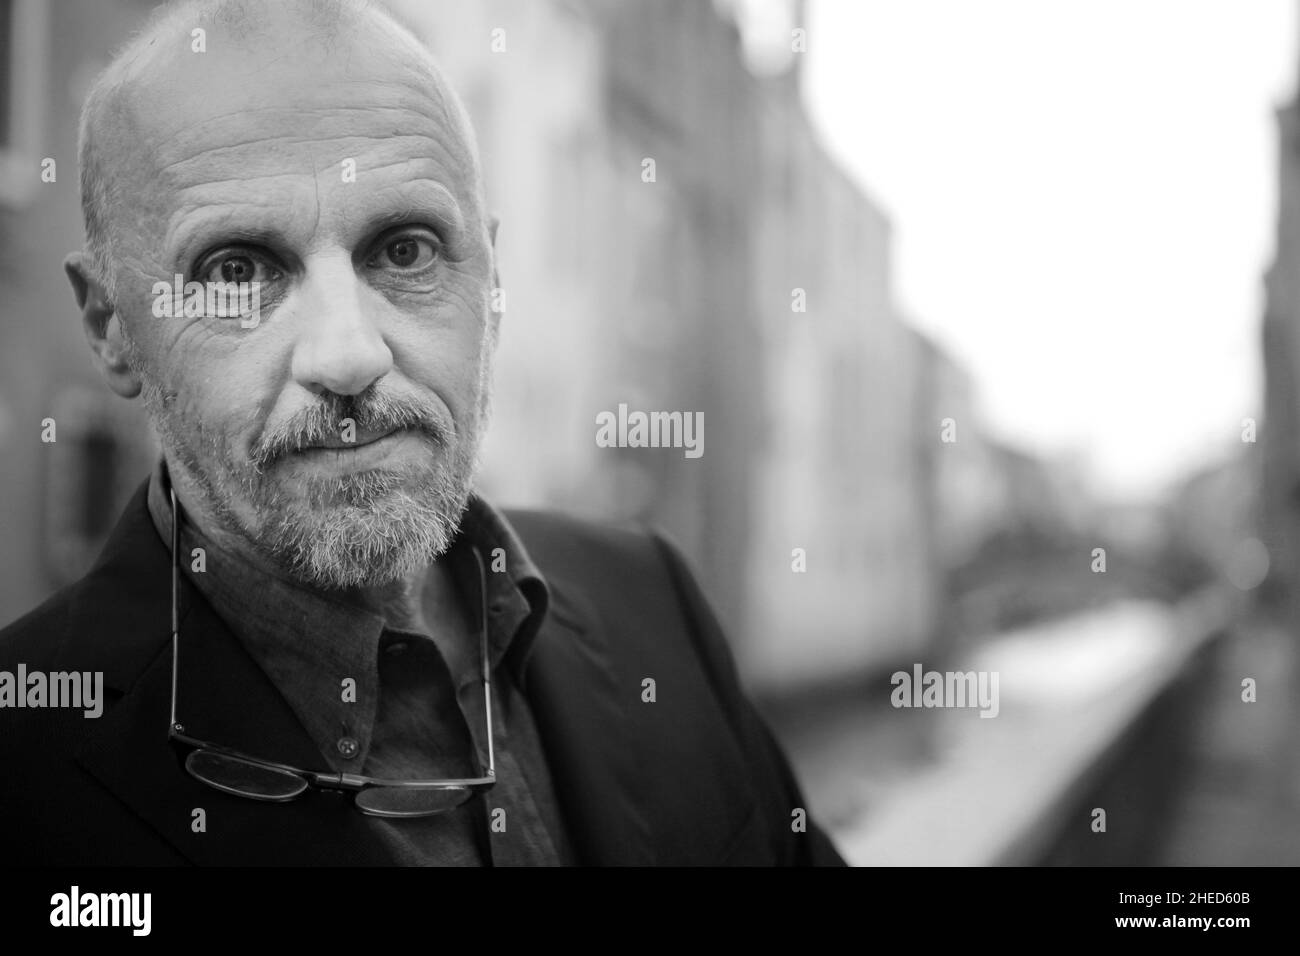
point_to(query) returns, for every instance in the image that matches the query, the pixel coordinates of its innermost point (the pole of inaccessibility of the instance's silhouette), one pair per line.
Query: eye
(408, 252)
(237, 266)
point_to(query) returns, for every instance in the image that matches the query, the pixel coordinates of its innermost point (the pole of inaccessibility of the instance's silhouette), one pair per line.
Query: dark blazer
(692, 778)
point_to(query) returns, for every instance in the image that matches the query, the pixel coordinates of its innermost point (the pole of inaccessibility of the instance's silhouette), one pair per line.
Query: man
(359, 661)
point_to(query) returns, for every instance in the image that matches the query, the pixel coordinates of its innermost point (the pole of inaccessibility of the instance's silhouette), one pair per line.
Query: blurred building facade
(1278, 438)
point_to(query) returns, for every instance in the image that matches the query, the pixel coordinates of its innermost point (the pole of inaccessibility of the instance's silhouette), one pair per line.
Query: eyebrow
(196, 227)
(419, 199)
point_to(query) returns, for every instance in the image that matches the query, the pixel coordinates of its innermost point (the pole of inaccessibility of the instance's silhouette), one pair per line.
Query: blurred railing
(1097, 712)
(1138, 759)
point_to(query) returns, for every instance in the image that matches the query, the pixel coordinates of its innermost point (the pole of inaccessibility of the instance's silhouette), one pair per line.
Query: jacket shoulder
(596, 555)
(624, 568)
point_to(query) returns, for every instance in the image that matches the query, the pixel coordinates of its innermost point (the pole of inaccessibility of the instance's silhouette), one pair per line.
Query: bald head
(159, 81)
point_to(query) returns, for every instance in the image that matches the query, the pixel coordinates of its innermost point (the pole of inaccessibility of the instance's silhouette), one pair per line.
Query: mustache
(371, 411)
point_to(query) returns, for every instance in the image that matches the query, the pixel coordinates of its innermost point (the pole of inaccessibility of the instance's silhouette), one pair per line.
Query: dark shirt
(418, 710)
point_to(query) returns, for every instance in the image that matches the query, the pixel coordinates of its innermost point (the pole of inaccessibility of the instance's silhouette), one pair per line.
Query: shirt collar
(307, 640)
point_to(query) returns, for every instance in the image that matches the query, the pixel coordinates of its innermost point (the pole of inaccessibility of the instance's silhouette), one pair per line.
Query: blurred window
(24, 45)
(6, 72)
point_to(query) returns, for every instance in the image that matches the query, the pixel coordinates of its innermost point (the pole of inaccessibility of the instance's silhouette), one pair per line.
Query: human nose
(340, 348)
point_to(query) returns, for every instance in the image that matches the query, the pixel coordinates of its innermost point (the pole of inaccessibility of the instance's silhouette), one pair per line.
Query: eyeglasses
(231, 771)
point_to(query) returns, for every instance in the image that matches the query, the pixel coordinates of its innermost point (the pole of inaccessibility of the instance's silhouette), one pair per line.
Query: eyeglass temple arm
(353, 781)
(487, 664)
(176, 620)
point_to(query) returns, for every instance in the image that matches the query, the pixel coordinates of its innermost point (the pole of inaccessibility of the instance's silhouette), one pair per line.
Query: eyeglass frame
(333, 781)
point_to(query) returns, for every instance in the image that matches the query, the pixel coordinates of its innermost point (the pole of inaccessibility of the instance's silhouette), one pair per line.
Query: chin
(372, 535)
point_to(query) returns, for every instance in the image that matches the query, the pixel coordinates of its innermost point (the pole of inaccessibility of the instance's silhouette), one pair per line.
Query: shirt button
(348, 747)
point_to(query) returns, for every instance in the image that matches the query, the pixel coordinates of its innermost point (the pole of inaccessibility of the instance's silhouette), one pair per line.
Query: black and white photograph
(652, 434)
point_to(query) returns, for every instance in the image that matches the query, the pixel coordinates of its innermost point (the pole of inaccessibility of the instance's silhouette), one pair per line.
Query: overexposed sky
(1083, 196)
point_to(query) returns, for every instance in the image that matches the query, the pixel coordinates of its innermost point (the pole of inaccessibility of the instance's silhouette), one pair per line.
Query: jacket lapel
(224, 697)
(579, 706)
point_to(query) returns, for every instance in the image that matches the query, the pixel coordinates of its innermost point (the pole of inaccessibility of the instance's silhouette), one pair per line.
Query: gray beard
(368, 529)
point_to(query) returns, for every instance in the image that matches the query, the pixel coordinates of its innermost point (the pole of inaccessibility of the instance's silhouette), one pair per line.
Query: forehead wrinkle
(183, 141)
(348, 100)
(193, 170)
(399, 174)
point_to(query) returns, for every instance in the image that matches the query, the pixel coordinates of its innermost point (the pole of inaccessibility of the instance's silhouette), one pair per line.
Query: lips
(363, 438)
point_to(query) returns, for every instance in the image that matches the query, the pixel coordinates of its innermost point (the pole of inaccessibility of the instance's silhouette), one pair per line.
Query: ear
(102, 327)
(493, 222)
